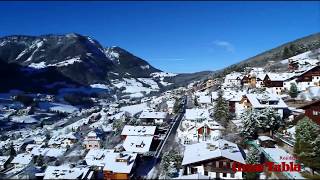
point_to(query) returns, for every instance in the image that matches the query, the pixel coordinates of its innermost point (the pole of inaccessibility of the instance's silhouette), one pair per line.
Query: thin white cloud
(169, 59)
(225, 45)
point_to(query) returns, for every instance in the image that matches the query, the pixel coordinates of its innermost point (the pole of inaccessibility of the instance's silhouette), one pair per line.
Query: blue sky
(172, 36)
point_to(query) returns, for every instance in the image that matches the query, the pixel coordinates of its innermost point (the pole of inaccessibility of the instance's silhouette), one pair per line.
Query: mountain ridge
(274, 55)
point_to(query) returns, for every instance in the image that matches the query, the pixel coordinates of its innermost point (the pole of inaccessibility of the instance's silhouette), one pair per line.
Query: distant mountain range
(75, 59)
(33, 63)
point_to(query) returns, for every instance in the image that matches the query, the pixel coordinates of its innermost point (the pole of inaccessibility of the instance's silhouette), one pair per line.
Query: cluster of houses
(208, 155)
(119, 162)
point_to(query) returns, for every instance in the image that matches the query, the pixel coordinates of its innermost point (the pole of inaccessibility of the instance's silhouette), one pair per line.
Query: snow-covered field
(100, 86)
(58, 107)
(163, 74)
(136, 88)
(66, 62)
(134, 109)
(24, 119)
(150, 82)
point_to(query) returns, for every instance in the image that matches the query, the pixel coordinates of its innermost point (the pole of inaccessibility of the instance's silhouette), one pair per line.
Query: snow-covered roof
(39, 138)
(66, 172)
(193, 176)
(256, 99)
(138, 130)
(3, 160)
(92, 134)
(138, 144)
(31, 146)
(280, 76)
(205, 99)
(194, 114)
(204, 151)
(134, 109)
(233, 76)
(153, 115)
(120, 162)
(229, 95)
(310, 93)
(97, 157)
(23, 159)
(49, 152)
(265, 138)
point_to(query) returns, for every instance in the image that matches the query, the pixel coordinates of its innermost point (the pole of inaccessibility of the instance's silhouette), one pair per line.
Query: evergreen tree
(221, 110)
(265, 120)
(253, 157)
(271, 120)
(176, 106)
(12, 151)
(294, 50)
(286, 53)
(40, 160)
(293, 92)
(170, 163)
(307, 143)
(118, 126)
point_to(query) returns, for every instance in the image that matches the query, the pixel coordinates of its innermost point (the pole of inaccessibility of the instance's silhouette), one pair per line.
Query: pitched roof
(153, 115)
(194, 114)
(204, 151)
(317, 102)
(138, 144)
(97, 157)
(120, 162)
(65, 172)
(205, 99)
(129, 130)
(280, 76)
(23, 158)
(265, 138)
(256, 98)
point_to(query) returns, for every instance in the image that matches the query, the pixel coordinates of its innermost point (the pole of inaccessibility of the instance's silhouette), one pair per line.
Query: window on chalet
(263, 102)
(315, 113)
(273, 102)
(224, 174)
(206, 173)
(224, 164)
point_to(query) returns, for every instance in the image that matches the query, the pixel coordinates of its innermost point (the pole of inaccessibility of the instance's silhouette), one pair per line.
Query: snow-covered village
(72, 107)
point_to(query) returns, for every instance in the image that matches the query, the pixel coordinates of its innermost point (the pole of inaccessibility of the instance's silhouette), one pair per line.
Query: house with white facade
(97, 157)
(67, 172)
(129, 130)
(153, 117)
(21, 160)
(119, 165)
(262, 101)
(137, 144)
(92, 141)
(213, 159)
(204, 101)
(233, 79)
(198, 126)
